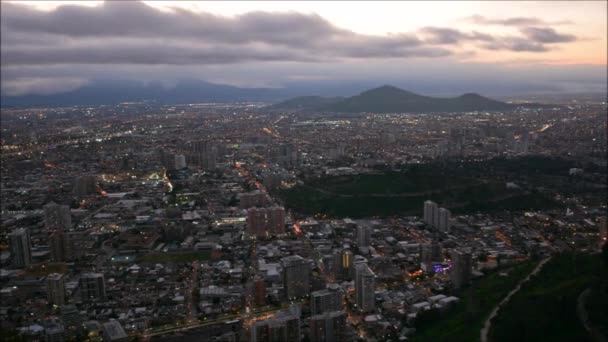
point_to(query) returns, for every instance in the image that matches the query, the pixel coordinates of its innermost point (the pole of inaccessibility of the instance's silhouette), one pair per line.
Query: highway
(252, 316)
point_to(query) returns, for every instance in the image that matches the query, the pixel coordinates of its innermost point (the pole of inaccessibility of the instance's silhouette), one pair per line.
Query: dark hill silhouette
(390, 99)
(105, 92)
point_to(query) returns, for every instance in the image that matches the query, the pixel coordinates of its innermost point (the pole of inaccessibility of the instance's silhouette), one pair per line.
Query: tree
(11, 335)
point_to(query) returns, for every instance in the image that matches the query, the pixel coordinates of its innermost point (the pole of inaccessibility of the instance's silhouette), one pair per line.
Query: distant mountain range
(385, 99)
(114, 92)
(389, 99)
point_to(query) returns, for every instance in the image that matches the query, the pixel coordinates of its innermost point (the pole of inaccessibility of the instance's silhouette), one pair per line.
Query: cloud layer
(516, 21)
(64, 44)
(134, 33)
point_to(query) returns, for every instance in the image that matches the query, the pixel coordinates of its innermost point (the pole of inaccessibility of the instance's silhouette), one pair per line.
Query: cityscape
(321, 212)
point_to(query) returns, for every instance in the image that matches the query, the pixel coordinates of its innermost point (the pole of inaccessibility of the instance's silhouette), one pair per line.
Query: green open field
(464, 321)
(545, 307)
(474, 186)
(174, 257)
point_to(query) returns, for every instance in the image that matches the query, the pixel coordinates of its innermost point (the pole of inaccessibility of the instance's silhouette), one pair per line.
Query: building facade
(326, 300)
(296, 276)
(21, 247)
(365, 284)
(461, 268)
(55, 289)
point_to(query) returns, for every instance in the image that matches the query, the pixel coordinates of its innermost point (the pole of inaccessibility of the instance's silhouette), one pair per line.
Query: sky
(537, 46)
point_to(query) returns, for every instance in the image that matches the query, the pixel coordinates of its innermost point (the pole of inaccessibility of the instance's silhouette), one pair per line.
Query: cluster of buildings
(266, 221)
(125, 224)
(437, 217)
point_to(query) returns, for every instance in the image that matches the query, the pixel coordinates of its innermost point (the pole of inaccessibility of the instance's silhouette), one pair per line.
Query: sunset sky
(540, 45)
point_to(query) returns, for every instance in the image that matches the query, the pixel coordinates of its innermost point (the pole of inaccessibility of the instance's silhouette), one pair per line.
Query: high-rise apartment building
(275, 220)
(461, 268)
(21, 247)
(365, 284)
(296, 276)
(58, 245)
(266, 221)
(426, 258)
(343, 264)
(256, 222)
(55, 289)
(204, 153)
(284, 326)
(439, 218)
(72, 319)
(444, 220)
(430, 212)
(364, 237)
(326, 300)
(92, 286)
(328, 327)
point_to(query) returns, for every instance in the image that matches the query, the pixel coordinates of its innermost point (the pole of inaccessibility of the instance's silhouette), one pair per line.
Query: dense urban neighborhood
(248, 222)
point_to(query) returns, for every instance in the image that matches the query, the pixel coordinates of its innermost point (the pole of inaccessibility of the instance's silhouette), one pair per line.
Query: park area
(462, 187)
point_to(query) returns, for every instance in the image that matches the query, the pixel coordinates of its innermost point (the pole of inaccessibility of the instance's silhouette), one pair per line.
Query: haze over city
(190, 171)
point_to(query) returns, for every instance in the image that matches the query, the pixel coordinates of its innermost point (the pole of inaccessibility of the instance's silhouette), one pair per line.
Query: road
(191, 306)
(583, 316)
(261, 314)
(488, 323)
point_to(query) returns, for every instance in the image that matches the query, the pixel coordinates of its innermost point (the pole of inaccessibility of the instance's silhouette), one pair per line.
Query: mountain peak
(388, 90)
(471, 96)
(389, 87)
(385, 88)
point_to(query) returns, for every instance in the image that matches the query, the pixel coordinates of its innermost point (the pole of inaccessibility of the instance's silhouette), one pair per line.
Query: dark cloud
(73, 43)
(546, 35)
(534, 39)
(483, 37)
(515, 44)
(132, 32)
(515, 21)
(129, 51)
(441, 36)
